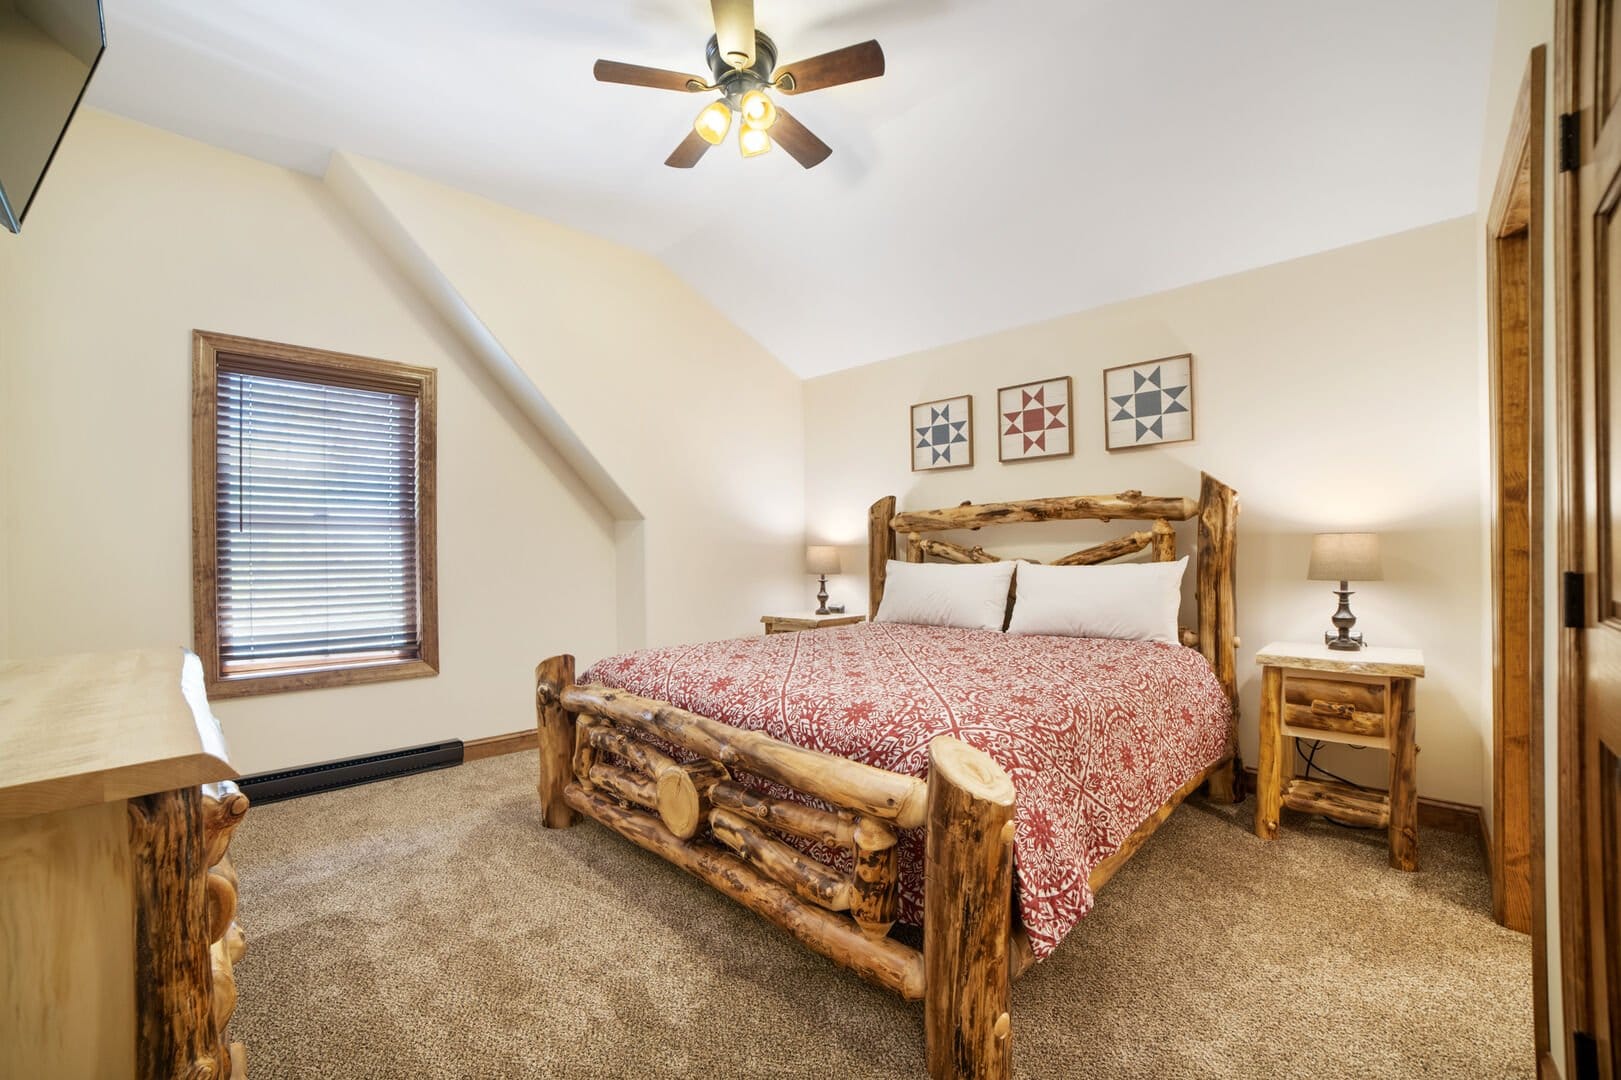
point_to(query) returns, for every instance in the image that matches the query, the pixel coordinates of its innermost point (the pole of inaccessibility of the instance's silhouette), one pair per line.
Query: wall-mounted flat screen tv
(48, 50)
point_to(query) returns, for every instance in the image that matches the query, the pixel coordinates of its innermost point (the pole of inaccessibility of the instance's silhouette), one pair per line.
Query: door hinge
(1574, 585)
(1570, 151)
(1586, 1064)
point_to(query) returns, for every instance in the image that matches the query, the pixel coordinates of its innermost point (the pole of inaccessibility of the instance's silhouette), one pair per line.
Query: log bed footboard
(594, 760)
(973, 947)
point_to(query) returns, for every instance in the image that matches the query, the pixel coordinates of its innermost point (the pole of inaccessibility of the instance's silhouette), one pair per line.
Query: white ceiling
(1021, 159)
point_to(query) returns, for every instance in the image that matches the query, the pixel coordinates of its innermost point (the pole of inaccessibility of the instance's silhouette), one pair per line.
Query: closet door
(1588, 70)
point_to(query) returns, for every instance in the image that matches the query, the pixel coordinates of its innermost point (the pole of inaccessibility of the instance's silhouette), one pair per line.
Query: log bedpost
(880, 549)
(555, 727)
(1218, 630)
(968, 897)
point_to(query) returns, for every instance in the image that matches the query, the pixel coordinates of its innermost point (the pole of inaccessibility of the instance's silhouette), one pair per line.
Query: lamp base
(1343, 620)
(822, 598)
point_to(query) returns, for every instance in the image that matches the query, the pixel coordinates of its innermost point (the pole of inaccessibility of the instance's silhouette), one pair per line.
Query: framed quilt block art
(942, 434)
(1035, 420)
(1150, 403)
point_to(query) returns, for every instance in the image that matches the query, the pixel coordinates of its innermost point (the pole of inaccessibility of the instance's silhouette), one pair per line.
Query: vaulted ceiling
(1022, 159)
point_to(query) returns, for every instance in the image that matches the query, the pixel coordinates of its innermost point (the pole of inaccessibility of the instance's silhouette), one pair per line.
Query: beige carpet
(429, 927)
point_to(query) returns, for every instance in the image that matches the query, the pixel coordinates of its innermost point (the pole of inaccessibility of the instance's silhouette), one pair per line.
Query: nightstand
(787, 624)
(1364, 698)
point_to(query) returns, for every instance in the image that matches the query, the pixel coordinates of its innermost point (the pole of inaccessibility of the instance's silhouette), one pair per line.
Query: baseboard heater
(350, 772)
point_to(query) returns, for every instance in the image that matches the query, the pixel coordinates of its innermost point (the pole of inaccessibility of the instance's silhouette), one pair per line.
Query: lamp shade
(758, 110)
(714, 122)
(821, 559)
(752, 141)
(1345, 557)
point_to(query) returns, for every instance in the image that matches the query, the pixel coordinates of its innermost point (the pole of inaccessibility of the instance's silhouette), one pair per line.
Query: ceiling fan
(743, 63)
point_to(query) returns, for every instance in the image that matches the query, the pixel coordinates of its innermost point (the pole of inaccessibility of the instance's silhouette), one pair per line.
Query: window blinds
(316, 522)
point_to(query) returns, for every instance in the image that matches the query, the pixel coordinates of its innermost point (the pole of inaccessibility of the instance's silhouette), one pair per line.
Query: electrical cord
(1311, 764)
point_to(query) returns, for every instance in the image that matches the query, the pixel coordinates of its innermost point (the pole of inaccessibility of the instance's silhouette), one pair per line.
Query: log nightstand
(1364, 698)
(787, 624)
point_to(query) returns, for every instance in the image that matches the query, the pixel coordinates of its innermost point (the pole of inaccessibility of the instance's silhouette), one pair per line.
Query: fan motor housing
(738, 82)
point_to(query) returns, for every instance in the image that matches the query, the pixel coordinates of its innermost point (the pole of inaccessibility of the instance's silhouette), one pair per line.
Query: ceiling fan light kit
(743, 64)
(753, 141)
(758, 110)
(714, 122)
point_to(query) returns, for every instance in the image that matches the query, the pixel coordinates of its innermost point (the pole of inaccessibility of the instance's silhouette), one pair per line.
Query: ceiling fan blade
(636, 75)
(687, 154)
(734, 31)
(797, 139)
(849, 64)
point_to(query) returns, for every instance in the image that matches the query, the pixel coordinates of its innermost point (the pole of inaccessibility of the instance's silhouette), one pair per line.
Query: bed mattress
(1096, 734)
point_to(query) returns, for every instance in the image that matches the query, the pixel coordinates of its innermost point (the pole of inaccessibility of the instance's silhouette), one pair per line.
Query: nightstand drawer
(1335, 704)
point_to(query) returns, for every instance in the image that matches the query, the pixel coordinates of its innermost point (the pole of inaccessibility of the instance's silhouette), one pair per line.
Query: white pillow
(946, 594)
(1136, 601)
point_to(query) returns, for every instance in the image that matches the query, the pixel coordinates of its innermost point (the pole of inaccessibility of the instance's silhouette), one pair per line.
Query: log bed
(600, 756)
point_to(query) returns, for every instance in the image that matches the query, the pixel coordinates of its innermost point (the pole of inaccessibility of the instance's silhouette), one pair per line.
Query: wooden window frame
(317, 365)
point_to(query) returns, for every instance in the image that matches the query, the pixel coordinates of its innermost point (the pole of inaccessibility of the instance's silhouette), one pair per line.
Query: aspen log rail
(600, 756)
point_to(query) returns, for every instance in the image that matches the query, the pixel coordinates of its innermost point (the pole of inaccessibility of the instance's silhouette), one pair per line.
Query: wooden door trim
(1514, 283)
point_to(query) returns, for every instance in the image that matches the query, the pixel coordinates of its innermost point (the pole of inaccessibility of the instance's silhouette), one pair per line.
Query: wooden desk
(119, 936)
(1363, 698)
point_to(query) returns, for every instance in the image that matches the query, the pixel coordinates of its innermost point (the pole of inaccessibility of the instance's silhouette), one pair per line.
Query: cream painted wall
(139, 237)
(698, 426)
(1521, 26)
(1335, 392)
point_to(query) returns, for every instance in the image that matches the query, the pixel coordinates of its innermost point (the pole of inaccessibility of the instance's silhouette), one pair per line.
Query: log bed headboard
(1216, 510)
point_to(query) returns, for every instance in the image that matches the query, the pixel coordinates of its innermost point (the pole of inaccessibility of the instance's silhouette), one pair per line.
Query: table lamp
(1344, 557)
(823, 560)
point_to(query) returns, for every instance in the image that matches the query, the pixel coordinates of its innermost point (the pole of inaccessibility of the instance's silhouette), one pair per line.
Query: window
(312, 517)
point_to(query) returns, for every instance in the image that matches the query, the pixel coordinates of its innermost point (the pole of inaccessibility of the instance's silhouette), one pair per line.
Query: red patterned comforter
(1095, 733)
